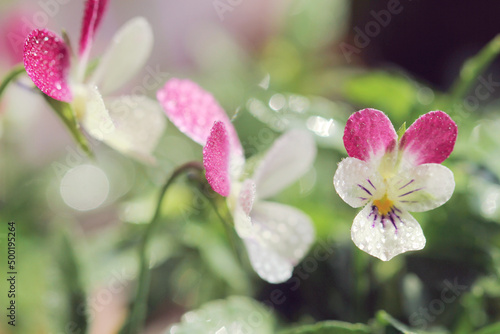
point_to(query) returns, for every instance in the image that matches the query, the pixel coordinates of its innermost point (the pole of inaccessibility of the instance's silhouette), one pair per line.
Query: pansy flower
(131, 124)
(392, 177)
(276, 236)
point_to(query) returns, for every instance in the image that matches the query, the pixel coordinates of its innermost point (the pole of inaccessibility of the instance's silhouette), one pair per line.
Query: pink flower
(130, 124)
(276, 236)
(390, 178)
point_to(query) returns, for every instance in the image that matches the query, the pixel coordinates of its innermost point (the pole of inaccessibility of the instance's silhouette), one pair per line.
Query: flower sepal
(67, 115)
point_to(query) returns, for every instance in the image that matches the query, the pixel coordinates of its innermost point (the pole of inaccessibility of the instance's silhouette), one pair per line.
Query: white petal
(244, 204)
(281, 237)
(92, 111)
(382, 240)
(270, 266)
(290, 157)
(424, 188)
(139, 123)
(127, 54)
(356, 181)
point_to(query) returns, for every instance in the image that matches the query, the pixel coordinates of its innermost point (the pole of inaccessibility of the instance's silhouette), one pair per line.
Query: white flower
(276, 236)
(390, 178)
(130, 124)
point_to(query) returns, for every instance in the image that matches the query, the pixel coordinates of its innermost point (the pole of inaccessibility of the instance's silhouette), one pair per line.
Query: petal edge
(216, 155)
(383, 240)
(430, 139)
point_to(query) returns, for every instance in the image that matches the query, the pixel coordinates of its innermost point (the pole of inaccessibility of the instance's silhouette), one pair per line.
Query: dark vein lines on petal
(407, 184)
(369, 193)
(410, 192)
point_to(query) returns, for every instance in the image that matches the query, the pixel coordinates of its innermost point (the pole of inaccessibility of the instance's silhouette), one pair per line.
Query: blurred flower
(13, 30)
(276, 236)
(391, 177)
(130, 124)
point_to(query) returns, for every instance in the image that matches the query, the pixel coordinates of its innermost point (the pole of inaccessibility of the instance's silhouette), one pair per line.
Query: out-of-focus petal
(47, 62)
(369, 134)
(139, 124)
(290, 157)
(430, 139)
(356, 182)
(94, 10)
(383, 240)
(93, 115)
(194, 111)
(424, 187)
(13, 30)
(216, 155)
(281, 237)
(126, 55)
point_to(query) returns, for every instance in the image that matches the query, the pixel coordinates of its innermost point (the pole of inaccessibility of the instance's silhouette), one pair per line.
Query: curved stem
(10, 77)
(227, 226)
(139, 307)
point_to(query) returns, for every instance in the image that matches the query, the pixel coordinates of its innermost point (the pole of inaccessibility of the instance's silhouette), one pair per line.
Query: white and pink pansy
(130, 124)
(276, 236)
(392, 177)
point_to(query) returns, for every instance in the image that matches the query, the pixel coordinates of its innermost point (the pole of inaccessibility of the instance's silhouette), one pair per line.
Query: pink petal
(194, 111)
(368, 133)
(216, 159)
(430, 139)
(13, 31)
(94, 10)
(47, 61)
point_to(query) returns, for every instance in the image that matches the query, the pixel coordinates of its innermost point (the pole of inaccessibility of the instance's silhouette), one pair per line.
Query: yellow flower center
(384, 205)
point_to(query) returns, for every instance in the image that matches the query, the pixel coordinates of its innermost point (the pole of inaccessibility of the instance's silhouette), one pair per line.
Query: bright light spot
(277, 102)
(321, 126)
(84, 187)
(256, 107)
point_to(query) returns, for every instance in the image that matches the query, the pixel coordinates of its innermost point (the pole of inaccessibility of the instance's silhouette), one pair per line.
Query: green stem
(66, 114)
(473, 67)
(10, 77)
(68, 262)
(138, 312)
(227, 226)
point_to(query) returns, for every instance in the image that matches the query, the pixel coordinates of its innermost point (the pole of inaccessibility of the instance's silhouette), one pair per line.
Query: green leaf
(473, 68)
(330, 327)
(65, 112)
(401, 131)
(393, 94)
(315, 24)
(233, 315)
(491, 329)
(385, 318)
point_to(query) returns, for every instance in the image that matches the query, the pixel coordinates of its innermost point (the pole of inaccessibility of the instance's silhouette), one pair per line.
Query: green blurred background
(273, 65)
